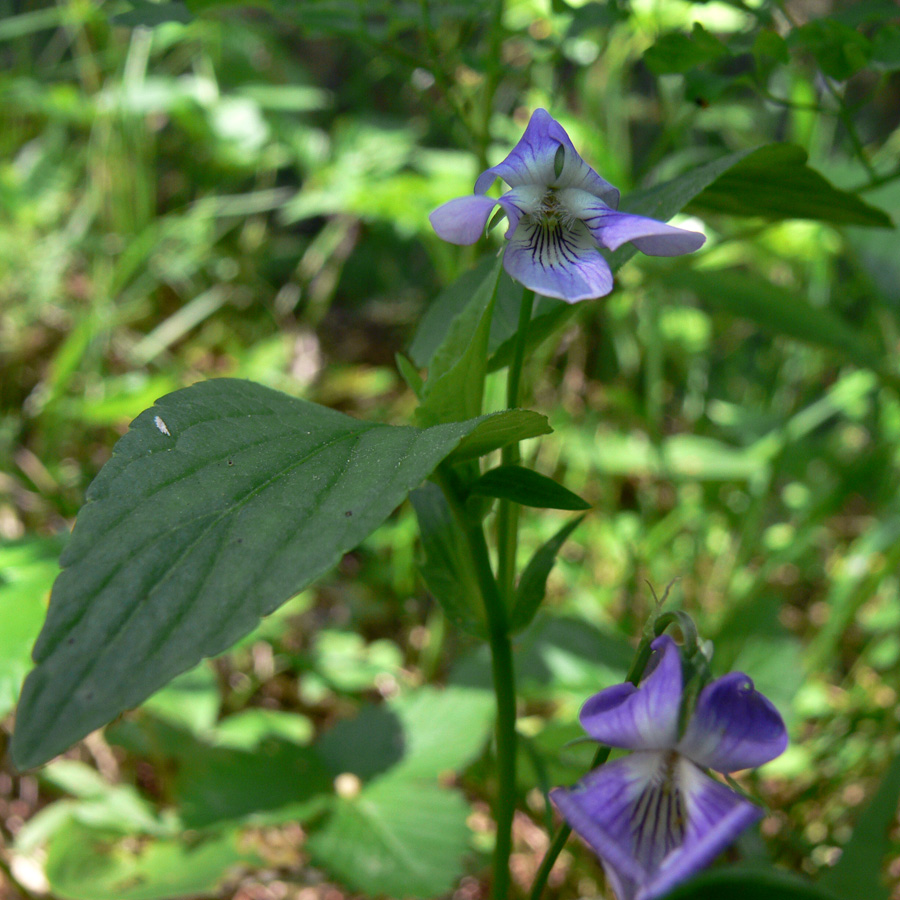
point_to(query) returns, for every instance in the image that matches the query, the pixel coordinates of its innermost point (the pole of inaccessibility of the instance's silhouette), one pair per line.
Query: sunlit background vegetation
(199, 189)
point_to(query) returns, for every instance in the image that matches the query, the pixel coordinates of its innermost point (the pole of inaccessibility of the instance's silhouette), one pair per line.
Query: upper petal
(462, 221)
(612, 229)
(640, 718)
(534, 161)
(733, 727)
(560, 261)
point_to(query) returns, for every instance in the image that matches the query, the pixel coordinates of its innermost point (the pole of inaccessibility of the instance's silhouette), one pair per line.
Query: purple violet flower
(559, 210)
(654, 817)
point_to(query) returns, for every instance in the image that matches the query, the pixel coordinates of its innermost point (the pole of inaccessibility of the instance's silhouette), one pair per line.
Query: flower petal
(521, 201)
(733, 727)
(654, 819)
(601, 810)
(640, 718)
(534, 161)
(557, 261)
(612, 229)
(716, 815)
(462, 221)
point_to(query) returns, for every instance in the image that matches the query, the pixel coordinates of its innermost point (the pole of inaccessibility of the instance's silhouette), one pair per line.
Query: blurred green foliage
(198, 189)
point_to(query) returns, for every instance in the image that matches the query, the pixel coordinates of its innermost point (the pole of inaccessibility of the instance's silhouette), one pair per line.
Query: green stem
(641, 658)
(492, 80)
(503, 677)
(508, 512)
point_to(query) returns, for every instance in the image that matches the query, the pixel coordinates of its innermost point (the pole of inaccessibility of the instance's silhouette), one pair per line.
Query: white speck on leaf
(158, 422)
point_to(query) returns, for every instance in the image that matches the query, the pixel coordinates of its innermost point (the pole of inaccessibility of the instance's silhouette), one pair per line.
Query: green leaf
(419, 735)
(445, 308)
(249, 728)
(886, 48)
(858, 871)
(774, 182)
(398, 837)
(496, 430)
(222, 501)
(678, 52)
(410, 374)
(27, 570)
(220, 784)
(533, 580)
(95, 864)
(751, 884)
(191, 700)
(526, 487)
(455, 385)
(348, 663)
(447, 569)
(778, 311)
(839, 50)
(434, 326)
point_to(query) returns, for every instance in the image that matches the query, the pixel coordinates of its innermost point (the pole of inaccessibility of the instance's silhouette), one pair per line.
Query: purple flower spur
(654, 817)
(559, 210)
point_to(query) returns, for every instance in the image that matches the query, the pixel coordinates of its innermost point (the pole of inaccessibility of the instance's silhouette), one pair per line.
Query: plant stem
(492, 80)
(641, 658)
(503, 677)
(508, 512)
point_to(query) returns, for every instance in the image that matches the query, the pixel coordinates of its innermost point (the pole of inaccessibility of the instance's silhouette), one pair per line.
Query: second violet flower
(559, 210)
(655, 817)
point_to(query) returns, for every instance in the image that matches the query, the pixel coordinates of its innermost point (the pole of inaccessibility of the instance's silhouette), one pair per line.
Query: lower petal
(560, 261)
(462, 221)
(716, 815)
(604, 810)
(612, 229)
(654, 819)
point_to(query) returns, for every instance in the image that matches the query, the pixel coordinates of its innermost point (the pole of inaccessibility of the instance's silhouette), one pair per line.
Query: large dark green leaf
(221, 502)
(775, 182)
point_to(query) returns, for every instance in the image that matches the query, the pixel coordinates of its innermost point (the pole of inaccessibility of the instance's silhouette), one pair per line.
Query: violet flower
(654, 817)
(559, 210)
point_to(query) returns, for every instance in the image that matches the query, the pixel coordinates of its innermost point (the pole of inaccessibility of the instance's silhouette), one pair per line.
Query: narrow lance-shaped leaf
(222, 501)
(526, 487)
(858, 871)
(775, 182)
(533, 581)
(779, 311)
